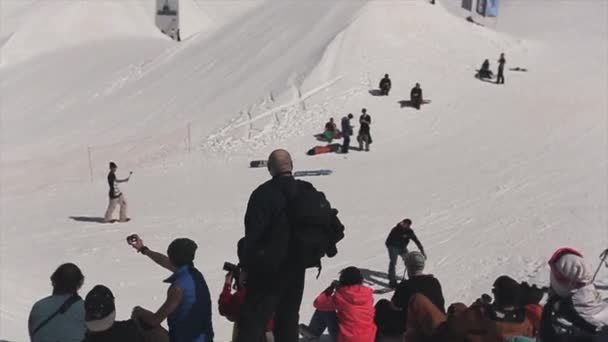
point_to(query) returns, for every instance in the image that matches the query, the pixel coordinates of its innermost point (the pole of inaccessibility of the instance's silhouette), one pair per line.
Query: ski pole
(603, 258)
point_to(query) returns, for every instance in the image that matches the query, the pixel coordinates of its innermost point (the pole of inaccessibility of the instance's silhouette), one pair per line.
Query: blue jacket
(67, 327)
(191, 321)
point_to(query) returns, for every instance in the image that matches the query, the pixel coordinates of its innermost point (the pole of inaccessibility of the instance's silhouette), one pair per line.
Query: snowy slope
(494, 177)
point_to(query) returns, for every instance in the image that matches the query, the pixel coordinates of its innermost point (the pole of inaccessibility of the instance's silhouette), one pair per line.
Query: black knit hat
(99, 303)
(351, 276)
(181, 251)
(507, 291)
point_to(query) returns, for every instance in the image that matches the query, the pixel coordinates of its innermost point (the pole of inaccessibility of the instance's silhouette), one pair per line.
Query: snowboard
(309, 173)
(258, 163)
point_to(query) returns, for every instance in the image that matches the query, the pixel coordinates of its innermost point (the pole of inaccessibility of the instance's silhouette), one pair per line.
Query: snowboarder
(116, 197)
(347, 132)
(485, 71)
(500, 78)
(385, 85)
(416, 96)
(364, 137)
(396, 244)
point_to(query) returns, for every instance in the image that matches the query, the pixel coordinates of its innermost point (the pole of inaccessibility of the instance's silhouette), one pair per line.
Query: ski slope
(494, 177)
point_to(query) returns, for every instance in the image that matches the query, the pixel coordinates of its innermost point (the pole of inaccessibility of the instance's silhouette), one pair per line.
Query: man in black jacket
(500, 78)
(416, 96)
(275, 283)
(364, 137)
(385, 85)
(396, 244)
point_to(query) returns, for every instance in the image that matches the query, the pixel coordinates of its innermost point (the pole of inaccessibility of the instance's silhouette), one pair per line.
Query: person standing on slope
(396, 244)
(416, 96)
(347, 132)
(385, 85)
(116, 197)
(500, 78)
(364, 137)
(274, 258)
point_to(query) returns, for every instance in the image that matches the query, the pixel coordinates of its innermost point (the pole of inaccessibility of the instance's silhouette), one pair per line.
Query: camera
(132, 238)
(232, 268)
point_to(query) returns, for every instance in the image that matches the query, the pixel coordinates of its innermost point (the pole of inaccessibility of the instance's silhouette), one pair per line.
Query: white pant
(120, 201)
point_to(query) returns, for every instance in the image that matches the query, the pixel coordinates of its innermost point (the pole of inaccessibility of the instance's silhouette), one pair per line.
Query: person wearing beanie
(482, 321)
(60, 317)
(345, 309)
(573, 298)
(117, 198)
(396, 244)
(391, 316)
(187, 307)
(100, 317)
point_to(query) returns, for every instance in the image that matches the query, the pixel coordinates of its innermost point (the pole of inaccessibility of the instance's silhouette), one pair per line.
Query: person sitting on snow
(331, 131)
(391, 316)
(385, 85)
(485, 71)
(575, 310)
(345, 309)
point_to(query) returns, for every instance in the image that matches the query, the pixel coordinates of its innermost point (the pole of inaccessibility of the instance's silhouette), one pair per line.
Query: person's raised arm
(126, 179)
(414, 238)
(174, 297)
(136, 242)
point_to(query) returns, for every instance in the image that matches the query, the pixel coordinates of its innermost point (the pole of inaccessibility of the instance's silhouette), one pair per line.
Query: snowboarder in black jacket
(396, 244)
(416, 96)
(500, 78)
(364, 137)
(347, 132)
(385, 85)
(275, 283)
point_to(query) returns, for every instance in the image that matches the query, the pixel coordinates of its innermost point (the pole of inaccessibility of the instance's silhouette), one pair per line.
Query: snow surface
(494, 177)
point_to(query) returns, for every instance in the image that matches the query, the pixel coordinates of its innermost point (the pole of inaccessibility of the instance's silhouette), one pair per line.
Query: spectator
(60, 317)
(345, 309)
(391, 317)
(482, 321)
(396, 244)
(117, 198)
(575, 310)
(230, 303)
(347, 132)
(187, 307)
(364, 138)
(275, 273)
(101, 325)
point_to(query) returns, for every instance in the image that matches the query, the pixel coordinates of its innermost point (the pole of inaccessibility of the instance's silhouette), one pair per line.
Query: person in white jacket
(575, 310)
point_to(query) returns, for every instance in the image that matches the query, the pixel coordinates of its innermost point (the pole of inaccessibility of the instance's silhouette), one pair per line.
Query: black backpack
(561, 323)
(315, 227)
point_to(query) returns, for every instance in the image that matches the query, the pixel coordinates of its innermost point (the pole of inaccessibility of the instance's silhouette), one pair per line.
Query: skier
(364, 137)
(347, 132)
(500, 78)
(385, 85)
(396, 244)
(116, 197)
(416, 96)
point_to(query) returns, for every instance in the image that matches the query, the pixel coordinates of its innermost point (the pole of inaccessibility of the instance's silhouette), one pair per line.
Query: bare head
(331, 119)
(280, 163)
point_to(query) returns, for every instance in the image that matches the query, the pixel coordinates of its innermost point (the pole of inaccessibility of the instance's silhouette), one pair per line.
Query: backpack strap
(62, 310)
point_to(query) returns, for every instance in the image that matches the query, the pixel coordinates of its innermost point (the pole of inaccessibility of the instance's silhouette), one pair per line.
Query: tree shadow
(374, 278)
(376, 92)
(93, 219)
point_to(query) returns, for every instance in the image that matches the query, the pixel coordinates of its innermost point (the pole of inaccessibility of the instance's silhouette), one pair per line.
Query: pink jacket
(354, 306)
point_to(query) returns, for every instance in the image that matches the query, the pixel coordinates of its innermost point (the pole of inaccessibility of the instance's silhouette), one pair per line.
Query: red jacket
(230, 304)
(354, 306)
